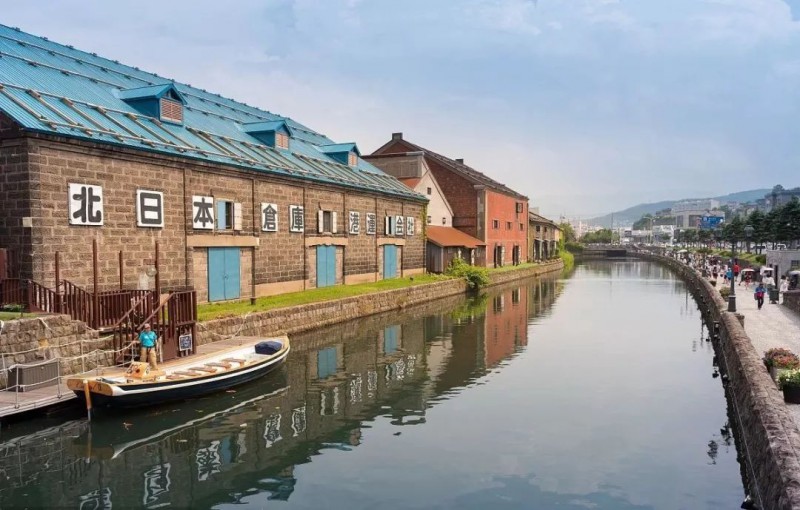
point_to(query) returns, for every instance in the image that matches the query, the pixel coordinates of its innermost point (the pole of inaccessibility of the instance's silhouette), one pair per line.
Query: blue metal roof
(52, 88)
(338, 148)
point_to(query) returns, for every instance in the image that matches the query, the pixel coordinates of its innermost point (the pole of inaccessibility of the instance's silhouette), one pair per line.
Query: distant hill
(631, 214)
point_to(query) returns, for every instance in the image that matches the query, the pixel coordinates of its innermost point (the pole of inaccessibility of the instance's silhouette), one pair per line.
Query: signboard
(710, 221)
(185, 343)
(85, 204)
(149, 208)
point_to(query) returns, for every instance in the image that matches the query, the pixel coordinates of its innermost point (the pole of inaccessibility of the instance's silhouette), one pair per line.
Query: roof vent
(162, 101)
(344, 153)
(397, 136)
(274, 133)
(460, 161)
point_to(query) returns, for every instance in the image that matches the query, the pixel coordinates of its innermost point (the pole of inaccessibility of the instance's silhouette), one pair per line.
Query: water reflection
(224, 448)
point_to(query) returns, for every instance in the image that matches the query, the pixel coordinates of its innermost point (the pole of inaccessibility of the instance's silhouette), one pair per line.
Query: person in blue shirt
(147, 344)
(759, 295)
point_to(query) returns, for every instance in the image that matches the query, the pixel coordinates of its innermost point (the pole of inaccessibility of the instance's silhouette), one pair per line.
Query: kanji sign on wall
(269, 217)
(297, 219)
(399, 225)
(149, 208)
(372, 224)
(202, 212)
(354, 222)
(85, 204)
(410, 225)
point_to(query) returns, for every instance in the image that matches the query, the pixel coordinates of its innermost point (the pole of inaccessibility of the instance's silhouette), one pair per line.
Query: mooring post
(158, 275)
(59, 296)
(95, 296)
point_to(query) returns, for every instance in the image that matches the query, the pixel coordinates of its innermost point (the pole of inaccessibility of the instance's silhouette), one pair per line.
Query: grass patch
(210, 311)
(9, 316)
(503, 269)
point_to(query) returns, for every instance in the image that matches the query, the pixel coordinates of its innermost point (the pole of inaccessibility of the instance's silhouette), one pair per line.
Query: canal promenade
(768, 431)
(774, 325)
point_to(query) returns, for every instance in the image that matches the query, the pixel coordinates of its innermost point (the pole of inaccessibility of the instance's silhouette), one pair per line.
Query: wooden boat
(140, 385)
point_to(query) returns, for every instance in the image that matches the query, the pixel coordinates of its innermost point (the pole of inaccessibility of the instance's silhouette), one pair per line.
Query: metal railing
(176, 316)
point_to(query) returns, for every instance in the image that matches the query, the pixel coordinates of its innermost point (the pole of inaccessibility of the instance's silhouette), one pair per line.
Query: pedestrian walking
(784, 286)
(759, 295)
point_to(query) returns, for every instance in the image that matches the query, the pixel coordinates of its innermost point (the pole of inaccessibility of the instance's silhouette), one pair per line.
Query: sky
(585, 106)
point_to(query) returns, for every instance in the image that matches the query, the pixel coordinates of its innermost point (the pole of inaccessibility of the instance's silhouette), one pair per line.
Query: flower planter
(776, 372)
(791, 393)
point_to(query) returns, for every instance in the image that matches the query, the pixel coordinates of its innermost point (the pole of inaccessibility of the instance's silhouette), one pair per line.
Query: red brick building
(243, 202)
(482, 207)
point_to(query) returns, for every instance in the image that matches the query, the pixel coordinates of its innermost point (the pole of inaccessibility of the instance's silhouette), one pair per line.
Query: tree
(567, 232)
(602, 236)
(643, 223)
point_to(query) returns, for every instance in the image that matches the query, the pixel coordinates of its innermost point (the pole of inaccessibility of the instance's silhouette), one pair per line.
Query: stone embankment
(770, 440)
(33, 340)
(301, 318)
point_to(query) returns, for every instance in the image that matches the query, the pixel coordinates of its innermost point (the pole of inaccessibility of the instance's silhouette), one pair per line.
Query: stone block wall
(296, 319)
(35, 173)
(791, 300)
(769, 437)
(33, 340)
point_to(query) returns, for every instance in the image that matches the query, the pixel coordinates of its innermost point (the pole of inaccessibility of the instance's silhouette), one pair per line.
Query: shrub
(725, 291)
(789, 378)
(476, 277)
(761, 259)
(780, 357)
(573, 247)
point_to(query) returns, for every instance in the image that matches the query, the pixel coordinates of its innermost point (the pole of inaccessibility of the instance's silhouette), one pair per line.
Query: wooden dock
(13, 402)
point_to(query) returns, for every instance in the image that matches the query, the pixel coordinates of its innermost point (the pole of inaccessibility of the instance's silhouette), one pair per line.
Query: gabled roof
(55, 89)
(538, 218)
(459, 168)
(411, 182)
(337, 148)
(266, 127)
(451, 237)
(157, 91)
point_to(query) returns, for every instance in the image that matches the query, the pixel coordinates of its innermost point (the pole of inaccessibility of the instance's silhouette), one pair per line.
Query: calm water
(592, 392)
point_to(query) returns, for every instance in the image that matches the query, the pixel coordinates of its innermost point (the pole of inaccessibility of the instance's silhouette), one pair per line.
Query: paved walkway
(772, 326)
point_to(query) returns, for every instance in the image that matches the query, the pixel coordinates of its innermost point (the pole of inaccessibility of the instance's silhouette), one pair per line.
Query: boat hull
(168, 391)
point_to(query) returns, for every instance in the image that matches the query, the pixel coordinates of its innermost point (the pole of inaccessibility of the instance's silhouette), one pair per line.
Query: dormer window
(274, 133)
(344, 153)
(171, 110)
(281, 140)
(163, 102)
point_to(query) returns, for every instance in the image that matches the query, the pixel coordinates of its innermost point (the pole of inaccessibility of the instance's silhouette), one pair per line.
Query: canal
(594, 391)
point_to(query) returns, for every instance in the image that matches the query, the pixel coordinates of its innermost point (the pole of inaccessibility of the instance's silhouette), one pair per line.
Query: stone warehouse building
(482, 207)
(543, 237)
(243, 202)
(444, 242)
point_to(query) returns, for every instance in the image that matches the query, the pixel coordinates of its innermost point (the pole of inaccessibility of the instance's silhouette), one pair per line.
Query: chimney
(460, 160)
(397, 136)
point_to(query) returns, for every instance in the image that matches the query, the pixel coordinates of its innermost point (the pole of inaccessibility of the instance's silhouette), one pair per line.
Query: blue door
(390, 336)
(326, 266)
(389, 261)
(223, 274)
(326, 362)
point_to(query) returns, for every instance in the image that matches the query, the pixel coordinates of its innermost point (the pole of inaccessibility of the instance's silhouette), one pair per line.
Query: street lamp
(748, 231)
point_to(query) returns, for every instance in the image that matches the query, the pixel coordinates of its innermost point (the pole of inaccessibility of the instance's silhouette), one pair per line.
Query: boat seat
(204, 369)
(219, 364)
(184, 373)
(177, 375)
(241, 361)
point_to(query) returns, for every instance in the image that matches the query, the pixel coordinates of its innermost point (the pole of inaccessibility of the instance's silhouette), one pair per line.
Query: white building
(704, 204)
